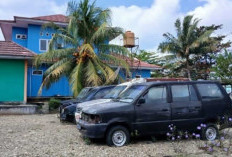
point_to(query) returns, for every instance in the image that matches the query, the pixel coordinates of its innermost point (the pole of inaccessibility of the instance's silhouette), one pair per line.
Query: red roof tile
(139, 63)
(9, 48)
(53, 18)
(135, 63)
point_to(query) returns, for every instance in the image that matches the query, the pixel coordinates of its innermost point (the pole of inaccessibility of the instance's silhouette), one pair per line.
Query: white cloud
(216, 12)
(148, 24)
(29, 8)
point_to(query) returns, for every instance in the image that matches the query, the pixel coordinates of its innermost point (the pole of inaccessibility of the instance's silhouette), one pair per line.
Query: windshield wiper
(127, 98)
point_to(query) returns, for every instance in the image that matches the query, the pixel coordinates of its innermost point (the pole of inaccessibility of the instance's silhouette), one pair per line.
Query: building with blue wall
(28, 33)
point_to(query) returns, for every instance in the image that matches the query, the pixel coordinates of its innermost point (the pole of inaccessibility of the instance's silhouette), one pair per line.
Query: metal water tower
(131, 42)
(129, 39)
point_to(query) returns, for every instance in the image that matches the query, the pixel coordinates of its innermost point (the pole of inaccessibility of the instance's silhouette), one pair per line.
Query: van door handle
(165, 110)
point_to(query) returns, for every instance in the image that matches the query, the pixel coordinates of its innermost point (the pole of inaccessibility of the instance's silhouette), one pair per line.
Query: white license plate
(77, 116)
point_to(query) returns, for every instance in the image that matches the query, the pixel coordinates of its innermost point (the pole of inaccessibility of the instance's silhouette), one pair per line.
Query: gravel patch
(44, 135)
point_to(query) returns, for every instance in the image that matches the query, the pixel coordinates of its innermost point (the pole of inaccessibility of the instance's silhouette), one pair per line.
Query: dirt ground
(44, 135)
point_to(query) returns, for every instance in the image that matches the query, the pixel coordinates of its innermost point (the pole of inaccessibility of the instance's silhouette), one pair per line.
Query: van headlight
(95, 119)
(91, 118)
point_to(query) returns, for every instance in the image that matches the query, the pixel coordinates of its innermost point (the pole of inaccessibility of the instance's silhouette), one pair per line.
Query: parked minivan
(68, 113)
(149, 108)
(80, 98)
(113, 94)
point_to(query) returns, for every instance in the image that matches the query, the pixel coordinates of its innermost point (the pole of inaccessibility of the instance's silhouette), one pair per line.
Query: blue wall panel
(33, 38)
(17, 30)
(35, 33)
(60, 88)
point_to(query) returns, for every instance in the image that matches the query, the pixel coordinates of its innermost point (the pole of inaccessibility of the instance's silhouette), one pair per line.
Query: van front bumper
(91, 130)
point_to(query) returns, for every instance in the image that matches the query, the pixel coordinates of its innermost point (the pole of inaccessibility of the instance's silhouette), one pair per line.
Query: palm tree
(186, 42)
(84, 60)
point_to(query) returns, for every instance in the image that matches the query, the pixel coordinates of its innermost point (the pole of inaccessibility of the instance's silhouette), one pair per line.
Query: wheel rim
(119, 138)
(211, 133)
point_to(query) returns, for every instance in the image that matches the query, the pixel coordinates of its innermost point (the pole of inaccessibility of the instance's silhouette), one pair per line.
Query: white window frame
(62, 45)
(47, 43)
(21, 35)
(37, 74)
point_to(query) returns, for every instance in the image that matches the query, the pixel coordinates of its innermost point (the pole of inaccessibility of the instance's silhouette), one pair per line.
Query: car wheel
(210, 132)
(117, 136)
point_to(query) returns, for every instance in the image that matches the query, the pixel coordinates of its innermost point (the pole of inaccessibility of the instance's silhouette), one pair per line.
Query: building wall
(34, 34)
(143, 73)
(61, 87)
(12, 80)
(17, 30)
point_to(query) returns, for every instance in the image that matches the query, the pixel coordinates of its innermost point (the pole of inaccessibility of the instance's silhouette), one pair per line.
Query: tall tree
(149, 57)
(204, 54)
(186, 40)
(223, 67)
(201, 58)
(86, 54)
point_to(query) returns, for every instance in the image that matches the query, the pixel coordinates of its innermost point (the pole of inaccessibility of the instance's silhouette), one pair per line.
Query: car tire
(210, 132)
(117, 136)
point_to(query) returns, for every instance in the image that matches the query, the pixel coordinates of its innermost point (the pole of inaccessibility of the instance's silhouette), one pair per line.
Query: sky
(148, 19)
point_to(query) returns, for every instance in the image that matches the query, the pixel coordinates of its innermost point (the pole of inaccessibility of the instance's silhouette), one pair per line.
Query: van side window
(209, 91)
(193, 95)
(184, 93)
(180, 93)
(158, 94)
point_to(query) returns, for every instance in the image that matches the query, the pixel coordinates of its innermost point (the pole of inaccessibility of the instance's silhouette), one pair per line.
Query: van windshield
(114, 93)
(131, 93)
(83, 93)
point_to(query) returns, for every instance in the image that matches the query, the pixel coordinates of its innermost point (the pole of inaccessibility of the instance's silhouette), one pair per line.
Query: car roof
(175, 82)
(101, 87)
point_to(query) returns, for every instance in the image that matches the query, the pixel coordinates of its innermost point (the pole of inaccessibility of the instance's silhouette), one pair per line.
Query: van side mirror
(141, 101)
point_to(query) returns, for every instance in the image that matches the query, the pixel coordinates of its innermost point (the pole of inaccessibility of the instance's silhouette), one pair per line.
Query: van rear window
(209, 91)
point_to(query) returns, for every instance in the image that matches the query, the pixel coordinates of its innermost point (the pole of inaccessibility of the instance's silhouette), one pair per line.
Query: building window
(43, 44)
(47, 34)
(60, 46)
(53, 34)
(21, 36)
(37, 72)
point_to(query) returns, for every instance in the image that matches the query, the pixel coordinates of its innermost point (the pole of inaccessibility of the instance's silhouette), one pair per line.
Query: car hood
(104, 107)
(68, 101)
(92, 103)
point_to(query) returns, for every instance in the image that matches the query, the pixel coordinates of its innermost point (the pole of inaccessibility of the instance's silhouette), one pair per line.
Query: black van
(68, 112)
(149, 108)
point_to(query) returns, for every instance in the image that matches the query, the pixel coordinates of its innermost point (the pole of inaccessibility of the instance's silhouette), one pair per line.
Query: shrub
(53, 104)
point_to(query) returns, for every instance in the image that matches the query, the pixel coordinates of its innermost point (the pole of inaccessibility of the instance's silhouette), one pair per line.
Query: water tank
(129, 39)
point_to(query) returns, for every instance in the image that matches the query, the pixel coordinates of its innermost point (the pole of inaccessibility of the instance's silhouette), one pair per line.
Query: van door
(154, 115)
(213, 100)
(186, 106)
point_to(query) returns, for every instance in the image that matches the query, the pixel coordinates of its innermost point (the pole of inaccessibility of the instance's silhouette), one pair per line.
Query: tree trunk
(188, 68)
